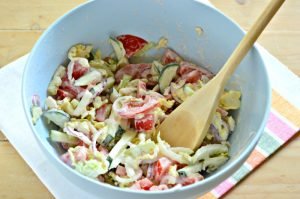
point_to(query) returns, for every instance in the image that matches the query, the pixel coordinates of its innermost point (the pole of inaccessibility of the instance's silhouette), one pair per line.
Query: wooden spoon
(188, 124)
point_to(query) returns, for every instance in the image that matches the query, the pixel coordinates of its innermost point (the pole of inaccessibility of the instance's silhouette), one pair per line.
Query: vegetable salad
(106, 111)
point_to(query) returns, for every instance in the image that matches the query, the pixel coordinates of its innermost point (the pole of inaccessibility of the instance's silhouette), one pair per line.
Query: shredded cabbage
(221, 126)
(81, 108)
(93, 167)
(230, 100)
(142, 152)
(126, 181)
(212, 164)
(165, 149)
(205, 152)
(121, 144)
(80, 50)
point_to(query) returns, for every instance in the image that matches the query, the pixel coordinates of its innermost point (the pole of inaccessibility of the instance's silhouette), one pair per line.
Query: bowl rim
(243, 155)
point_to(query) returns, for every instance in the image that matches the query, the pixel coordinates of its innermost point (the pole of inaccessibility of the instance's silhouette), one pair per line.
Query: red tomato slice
(161, 167)
(144, 124)
(100, 113)
(170, 56)
(136, 71)
(192, 77)
(74, 90)
(186, 67)
(145, 183)
(79, 70)
(132, 44)
(68, 90)
(61, 94)
(133, 107)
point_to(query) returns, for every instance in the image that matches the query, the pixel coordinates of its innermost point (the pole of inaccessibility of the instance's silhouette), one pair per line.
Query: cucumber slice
(167, 75)
(109, 160)
(58, 117)
(93, 76)
(57, 136)
(107, 140)
(119, 134)
(156, 68)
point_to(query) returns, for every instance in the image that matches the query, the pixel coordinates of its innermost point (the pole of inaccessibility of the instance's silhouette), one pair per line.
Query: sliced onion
(78, 134)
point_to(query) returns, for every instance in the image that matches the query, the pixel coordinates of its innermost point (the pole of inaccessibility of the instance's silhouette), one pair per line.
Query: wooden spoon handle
(248, 40)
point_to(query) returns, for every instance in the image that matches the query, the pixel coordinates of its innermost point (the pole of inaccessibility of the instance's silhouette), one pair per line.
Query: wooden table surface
(22, 22)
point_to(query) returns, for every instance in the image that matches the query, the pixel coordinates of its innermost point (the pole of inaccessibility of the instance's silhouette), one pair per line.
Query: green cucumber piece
(58, 117)
(107, 140)
(109, 159)
(167, 75)
(57, 136)
(156, 68)
(119, 134)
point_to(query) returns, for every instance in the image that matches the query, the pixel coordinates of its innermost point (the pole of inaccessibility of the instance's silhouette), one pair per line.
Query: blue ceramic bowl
(94, 21)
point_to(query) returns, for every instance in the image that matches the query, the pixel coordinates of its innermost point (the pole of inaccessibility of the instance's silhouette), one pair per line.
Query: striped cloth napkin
(283, 123)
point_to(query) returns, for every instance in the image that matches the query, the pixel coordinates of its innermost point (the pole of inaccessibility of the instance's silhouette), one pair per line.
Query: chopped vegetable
(119, 50)
(230, 100)
(58, 117)
(107, 110)
(57, 136)
(167, 75)
(80, 50)
(56, 80)
(89, 78)
(36, 112)
(132, 44)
